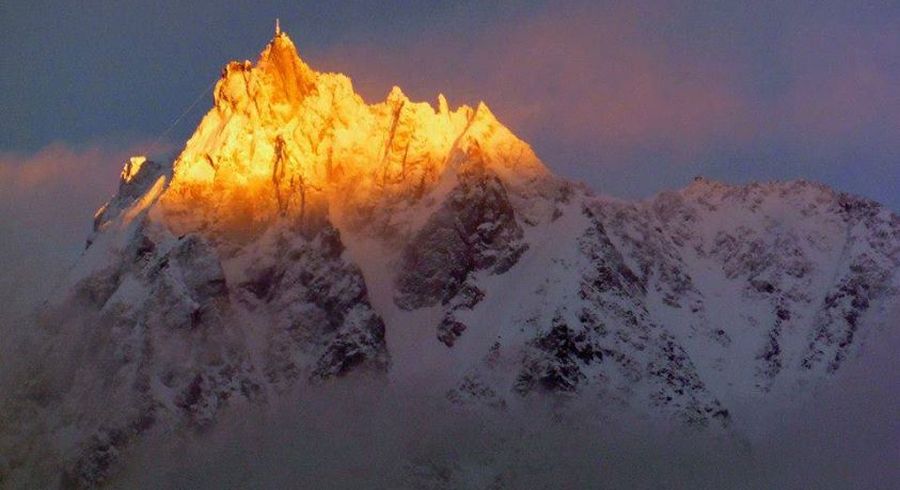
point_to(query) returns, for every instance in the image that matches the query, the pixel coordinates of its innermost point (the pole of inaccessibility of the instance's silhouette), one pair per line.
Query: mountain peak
(282, 135)
(303, 235)
(280, 44)
(132, 167)
(396, 96)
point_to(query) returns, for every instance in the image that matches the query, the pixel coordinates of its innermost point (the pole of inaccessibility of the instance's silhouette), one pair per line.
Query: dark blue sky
(631, 100)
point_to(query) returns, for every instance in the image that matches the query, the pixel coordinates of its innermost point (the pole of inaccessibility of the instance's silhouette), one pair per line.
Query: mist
(47, 202)
(375, 433)
(365, 433)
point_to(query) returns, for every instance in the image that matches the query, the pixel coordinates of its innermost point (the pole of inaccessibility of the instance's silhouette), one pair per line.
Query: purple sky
(630, 100)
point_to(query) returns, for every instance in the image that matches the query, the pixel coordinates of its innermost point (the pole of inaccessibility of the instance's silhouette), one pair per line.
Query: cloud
(649, 95)
(47, 200)
(361, 433)
(584, 76)
(843, 84)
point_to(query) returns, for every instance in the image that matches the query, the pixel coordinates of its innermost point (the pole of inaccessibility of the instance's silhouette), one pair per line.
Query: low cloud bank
(361, 434)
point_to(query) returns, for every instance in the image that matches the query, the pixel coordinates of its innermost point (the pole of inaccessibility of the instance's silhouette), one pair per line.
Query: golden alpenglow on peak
(132, 167)
(286, 141)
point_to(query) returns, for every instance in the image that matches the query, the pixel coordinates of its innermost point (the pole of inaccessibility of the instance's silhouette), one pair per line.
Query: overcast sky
(631, 100)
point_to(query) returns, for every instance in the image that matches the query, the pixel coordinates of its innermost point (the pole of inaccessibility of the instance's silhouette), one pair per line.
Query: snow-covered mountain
(302, 236)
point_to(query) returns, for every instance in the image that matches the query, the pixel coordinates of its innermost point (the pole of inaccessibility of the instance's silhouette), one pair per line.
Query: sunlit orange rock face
(286, 141)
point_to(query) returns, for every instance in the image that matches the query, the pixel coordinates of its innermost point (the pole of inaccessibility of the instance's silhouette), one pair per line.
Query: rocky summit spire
(325, 142)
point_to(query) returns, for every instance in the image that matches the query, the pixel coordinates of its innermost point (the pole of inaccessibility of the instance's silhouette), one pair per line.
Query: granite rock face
(474, 230)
